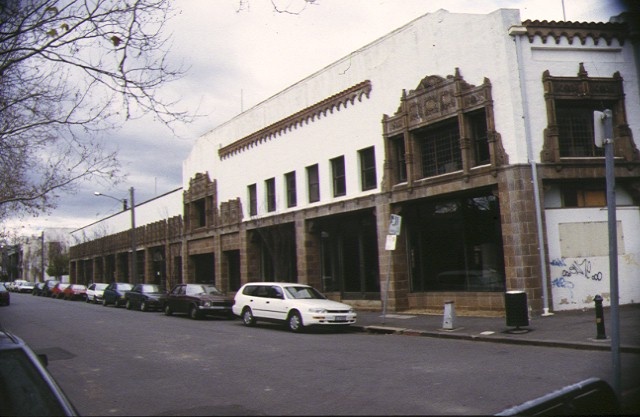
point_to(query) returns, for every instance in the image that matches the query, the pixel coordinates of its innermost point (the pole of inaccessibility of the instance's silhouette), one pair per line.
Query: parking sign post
(390, 245)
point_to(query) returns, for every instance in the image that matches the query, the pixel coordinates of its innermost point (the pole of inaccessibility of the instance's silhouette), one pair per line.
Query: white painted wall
(580, 271)
(430, 45)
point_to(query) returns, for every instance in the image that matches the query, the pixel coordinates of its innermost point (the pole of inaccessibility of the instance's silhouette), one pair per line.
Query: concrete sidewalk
(568, 329)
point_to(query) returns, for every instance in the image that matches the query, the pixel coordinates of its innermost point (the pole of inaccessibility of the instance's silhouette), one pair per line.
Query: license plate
(340, 318)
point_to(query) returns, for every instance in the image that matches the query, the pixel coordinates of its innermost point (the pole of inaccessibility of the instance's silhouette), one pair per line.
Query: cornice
(298, 119)
(576, 30)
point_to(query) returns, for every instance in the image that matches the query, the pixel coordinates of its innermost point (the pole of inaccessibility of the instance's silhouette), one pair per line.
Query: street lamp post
(133, 267)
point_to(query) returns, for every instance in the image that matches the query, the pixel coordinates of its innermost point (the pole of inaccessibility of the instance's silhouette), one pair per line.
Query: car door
(175, 298)
(276, 303)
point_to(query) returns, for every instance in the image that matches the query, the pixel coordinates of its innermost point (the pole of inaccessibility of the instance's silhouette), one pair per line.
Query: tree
(58, 260)
(70, 70)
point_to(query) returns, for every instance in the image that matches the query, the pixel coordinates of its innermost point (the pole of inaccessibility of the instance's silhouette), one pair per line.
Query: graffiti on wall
(572, 274)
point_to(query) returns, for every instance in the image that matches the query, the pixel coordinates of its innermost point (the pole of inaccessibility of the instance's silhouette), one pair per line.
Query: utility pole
(603, 134)
(134, 263)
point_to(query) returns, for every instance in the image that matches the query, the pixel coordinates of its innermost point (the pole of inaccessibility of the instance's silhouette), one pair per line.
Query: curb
(445, 334)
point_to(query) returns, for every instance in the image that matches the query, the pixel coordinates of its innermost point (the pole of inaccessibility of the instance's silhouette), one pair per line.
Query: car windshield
(125, 287)
(150, 288)
(101, 286)
(78, 287)
(304, 293)
(202, 290)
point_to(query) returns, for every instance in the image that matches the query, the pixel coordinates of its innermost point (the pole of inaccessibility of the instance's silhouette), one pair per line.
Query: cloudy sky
(241, 52)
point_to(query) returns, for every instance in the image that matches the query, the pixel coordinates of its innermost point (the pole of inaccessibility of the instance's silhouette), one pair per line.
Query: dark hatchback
(48, 287)
(115, 292)
(145, 297)
(26, 387)
(198, 300)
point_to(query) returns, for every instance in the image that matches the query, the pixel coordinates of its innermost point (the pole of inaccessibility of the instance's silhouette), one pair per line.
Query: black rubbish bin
(515, 303)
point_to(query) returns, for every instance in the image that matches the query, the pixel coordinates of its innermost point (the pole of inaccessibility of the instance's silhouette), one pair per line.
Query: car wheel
(247, 317)
(194, 313)
(167, 310)
(128, 305)
(295, 322)
(86, 300)
(143, 306)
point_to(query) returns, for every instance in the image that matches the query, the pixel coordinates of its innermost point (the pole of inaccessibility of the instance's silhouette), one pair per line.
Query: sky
(241, 52)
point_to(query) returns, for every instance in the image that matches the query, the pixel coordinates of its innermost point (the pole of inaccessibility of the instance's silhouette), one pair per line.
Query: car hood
(316, 303)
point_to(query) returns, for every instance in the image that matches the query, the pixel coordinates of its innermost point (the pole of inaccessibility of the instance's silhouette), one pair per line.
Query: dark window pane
(313, 180)
(368, 169)
(575, 127)
(440, 149)
(339, 178)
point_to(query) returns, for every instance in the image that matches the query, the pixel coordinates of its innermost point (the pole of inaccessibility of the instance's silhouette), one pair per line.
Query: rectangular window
(290, 181)
(575, 129)
(576, 197)
(477, 123)
(400, 159)
(199, 213)
(368, 169)
(456, 244)
(313, 182)
(440, 148)
(253, 200)
(339, 176)
(270, 188)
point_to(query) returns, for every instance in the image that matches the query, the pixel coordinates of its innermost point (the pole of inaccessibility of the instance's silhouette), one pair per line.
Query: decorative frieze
(598, 31)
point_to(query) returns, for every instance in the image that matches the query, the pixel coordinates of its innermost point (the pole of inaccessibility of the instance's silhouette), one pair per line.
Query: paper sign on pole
(391, 242)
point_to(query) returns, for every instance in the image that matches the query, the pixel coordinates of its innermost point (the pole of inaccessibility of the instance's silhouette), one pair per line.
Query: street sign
(394, 225)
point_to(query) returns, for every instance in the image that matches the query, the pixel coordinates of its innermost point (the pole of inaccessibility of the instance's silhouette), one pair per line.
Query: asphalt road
(118, 362)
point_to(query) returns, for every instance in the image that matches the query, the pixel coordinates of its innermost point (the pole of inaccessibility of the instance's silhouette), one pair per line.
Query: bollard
(599, 318)
(448, 322)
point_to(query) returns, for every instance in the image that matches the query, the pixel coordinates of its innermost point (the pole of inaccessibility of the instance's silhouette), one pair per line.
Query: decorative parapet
(436, 98)
(305, 116)
(572, 30)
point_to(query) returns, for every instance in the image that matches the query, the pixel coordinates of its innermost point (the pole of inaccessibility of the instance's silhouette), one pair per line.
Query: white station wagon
(297, 305)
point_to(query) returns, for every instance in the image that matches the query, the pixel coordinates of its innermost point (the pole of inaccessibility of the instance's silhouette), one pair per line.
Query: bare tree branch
(69, 71)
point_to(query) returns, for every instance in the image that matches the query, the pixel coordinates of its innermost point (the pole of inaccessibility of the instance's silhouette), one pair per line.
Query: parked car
(297, 305)
(145, 297)
(48, 288)
(115, 292)
(5, 296)
(57, 290)
(37, 289)
(27, 387)
(95, 291)
(198, 300)
(75, 292)
(14, 285)
(25, 287)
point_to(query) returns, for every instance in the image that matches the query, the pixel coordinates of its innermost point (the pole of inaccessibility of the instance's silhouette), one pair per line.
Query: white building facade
(472, 128)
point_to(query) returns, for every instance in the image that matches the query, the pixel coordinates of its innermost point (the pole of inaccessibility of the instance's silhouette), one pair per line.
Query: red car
(75, 292)
(56, 292)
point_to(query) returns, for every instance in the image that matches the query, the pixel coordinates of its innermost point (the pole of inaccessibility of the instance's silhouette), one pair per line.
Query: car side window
(276, 292)
(176, 290)
(262, 291)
